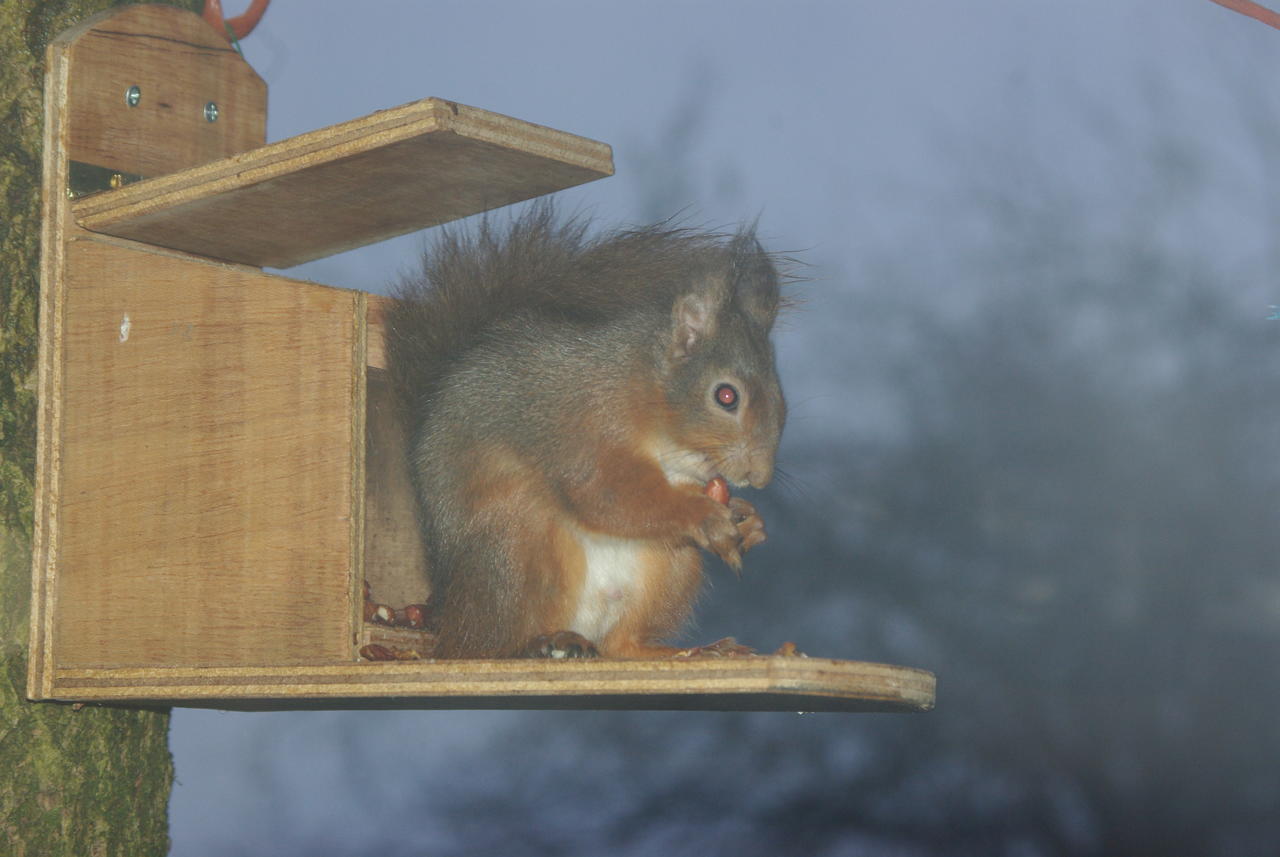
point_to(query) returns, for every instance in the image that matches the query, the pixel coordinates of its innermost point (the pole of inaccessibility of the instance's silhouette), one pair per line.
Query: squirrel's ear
(756, 285)
(693, 319)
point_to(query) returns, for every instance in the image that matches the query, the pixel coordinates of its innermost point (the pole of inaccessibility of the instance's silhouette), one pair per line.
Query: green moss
(20, 116)
(88, 781)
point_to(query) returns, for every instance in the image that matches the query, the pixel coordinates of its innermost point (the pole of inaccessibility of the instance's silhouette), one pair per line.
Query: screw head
(132, 96)
(211, 112)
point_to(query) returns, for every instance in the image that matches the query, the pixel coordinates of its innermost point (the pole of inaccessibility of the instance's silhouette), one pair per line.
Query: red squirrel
(569, 397)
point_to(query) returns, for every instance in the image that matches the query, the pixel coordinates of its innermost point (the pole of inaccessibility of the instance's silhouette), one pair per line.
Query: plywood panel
(378, 306)
(179, 64)
(352, 184)
(394, 560)
(205, 485)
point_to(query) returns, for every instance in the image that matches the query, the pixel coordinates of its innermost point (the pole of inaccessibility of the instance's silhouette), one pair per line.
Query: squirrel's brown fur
(567, 403)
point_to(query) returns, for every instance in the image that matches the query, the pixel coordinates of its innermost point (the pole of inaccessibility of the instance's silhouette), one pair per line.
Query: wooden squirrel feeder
(220, 460)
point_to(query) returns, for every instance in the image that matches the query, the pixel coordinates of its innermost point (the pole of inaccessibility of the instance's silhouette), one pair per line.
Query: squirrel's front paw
(748, 521)
(731, 530)
(718, 532)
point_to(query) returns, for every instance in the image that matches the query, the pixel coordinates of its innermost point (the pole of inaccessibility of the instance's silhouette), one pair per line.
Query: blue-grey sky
(845, 125)
(818, 114)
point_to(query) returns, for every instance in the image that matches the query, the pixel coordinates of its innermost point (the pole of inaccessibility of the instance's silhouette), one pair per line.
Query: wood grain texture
(376, 336)
(179, 64)
(348, 185)
(206, 497)
(762, 683)
(54, 217)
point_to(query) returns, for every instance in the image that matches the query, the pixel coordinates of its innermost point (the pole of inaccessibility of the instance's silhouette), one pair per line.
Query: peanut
(412, 616)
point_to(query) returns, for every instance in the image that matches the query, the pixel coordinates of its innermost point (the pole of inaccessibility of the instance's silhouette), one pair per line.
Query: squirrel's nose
(761, 472)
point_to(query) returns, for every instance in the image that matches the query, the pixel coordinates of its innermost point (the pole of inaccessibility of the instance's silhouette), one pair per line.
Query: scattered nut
(415, 616)
(374, 652)
(412, 616)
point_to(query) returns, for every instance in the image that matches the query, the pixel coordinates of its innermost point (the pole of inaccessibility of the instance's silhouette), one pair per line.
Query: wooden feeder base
(748, 683)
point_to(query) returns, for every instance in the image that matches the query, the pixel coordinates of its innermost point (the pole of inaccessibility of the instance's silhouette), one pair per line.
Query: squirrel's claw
(750, 524)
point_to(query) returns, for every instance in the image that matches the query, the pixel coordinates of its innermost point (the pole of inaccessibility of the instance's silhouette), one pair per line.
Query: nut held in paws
(718, 489)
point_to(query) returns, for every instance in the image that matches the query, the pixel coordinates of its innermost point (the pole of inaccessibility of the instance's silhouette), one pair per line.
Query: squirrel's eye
(727, 397)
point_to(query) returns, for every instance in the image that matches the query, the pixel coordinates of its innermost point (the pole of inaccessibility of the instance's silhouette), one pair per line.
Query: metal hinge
(84, 179)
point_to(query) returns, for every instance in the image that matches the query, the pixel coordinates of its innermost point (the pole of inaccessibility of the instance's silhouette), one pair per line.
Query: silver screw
(211, 112)
(132, 96)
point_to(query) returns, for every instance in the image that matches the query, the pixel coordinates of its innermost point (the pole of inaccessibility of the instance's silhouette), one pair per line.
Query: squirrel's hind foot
(561, 644)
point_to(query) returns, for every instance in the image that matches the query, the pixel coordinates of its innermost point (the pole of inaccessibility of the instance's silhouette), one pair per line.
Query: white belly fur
(613, 567)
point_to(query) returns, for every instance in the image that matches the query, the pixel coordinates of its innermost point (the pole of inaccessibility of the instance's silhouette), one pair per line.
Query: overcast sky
(842, 124)
(818, 116)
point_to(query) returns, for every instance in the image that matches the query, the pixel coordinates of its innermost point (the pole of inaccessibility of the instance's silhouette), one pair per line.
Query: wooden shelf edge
(757, 683)
(334, 142)
(301, 172)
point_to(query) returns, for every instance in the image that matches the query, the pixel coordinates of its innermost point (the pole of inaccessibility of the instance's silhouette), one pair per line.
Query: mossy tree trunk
(94, 781)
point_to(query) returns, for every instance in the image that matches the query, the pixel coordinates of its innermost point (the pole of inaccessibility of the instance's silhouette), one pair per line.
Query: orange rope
(1253, 10)
(238, 27)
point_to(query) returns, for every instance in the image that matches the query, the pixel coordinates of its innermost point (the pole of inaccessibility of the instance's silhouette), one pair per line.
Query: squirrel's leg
(667, 583)
(503, 569)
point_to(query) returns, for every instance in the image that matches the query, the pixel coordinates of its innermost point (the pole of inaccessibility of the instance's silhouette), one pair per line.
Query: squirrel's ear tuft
(754, 278)
(694, 318)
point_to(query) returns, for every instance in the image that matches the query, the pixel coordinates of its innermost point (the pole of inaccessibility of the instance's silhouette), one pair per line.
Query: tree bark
(94, 781)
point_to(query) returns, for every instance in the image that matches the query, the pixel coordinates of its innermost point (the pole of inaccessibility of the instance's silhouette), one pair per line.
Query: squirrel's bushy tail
(468, 280)
(541, 264)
